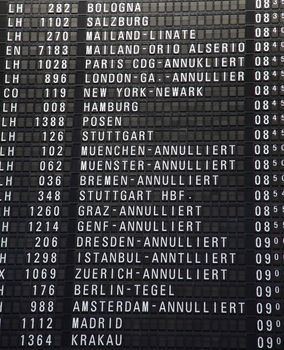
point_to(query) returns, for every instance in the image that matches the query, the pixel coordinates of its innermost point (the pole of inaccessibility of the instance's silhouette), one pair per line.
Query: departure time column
(268, 180)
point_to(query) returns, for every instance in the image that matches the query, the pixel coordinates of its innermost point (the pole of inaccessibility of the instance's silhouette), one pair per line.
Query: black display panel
(141, 174)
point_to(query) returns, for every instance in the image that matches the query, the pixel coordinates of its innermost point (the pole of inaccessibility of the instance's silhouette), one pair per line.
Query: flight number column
(268, 178)
(48, 208)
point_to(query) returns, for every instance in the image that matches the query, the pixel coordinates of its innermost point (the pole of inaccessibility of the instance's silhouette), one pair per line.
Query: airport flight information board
(141, 174)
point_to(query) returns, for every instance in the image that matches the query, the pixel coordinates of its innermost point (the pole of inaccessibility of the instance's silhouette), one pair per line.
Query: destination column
(160, 243)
